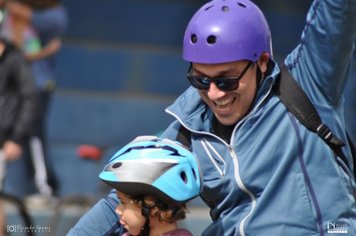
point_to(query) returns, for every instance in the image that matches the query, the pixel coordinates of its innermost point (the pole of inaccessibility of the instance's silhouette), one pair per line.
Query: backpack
(298, 103)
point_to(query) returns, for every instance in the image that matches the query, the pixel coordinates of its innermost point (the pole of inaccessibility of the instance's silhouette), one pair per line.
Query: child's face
(130, 214)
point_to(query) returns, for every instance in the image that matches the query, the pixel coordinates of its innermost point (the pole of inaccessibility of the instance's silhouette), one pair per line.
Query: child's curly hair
(165, 212)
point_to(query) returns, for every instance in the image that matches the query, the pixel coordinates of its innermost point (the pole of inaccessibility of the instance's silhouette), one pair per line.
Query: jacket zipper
(236, 166)
(243, 188)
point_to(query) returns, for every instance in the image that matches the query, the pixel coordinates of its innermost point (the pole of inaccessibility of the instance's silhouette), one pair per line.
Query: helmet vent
(225, 9)
(241, 4)
(211, 39)
(117, 165)
(195, 174)
(193, 38)
(184, 177)
(207, 8)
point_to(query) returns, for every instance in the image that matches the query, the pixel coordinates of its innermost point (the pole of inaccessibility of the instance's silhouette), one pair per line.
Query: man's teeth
(223, 102)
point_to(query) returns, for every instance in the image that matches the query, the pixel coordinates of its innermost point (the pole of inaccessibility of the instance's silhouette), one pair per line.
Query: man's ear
(263, 61)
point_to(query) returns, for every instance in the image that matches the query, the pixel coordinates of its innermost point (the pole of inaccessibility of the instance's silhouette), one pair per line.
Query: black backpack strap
(297, 102)
(353, 151)
(184, 137)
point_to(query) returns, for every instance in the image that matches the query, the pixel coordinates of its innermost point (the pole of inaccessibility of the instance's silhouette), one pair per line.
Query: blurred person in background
(37, 27)
(18, 107)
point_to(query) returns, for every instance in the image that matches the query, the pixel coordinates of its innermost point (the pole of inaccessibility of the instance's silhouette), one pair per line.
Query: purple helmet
(226, 31)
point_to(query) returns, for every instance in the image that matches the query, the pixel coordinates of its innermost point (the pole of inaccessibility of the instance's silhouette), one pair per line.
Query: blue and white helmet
(159, 167)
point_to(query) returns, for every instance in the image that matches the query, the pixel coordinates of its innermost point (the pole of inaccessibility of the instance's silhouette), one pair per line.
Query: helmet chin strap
(258, 78)
(258, 82)
(146, 228)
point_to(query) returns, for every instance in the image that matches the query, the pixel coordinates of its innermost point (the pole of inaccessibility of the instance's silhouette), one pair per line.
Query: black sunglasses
(223, 83)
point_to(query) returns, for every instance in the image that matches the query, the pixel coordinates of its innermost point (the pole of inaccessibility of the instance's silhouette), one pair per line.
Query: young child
(153, 178)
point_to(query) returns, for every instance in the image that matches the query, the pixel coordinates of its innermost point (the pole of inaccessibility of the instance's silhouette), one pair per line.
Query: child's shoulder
(178, 232)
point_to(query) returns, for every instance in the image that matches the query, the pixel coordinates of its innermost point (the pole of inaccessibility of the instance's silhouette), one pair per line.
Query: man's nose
(214, 92)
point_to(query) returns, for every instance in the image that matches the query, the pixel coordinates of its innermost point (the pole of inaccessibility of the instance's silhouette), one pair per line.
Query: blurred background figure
(18, 105)
(37, 27)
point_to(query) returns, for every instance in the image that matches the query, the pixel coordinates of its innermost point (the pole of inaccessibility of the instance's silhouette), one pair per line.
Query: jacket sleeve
(27, 114)
(321, 62)
(101, 219)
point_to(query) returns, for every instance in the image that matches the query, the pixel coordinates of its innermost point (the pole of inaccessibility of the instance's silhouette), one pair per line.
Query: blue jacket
(275, 177)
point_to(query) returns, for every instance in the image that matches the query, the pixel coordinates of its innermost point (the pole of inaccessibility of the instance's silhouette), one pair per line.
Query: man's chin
(226, 120)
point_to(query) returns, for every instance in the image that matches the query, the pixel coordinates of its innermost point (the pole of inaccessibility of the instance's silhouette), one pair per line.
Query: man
(264, 172)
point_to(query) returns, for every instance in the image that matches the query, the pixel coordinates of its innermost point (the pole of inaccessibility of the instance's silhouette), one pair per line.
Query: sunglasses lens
(226, 84)
(202, 83)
